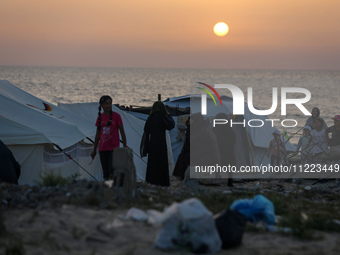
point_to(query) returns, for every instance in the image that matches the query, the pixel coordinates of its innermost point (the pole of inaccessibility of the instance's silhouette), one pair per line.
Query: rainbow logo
(209, 93)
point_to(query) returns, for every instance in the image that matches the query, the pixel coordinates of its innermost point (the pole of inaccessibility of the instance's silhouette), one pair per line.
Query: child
(320, 138)
(304, 144)
(107, 136)
(276, 146)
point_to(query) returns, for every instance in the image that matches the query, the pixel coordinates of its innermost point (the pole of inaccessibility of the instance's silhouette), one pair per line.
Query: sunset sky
(264, 34)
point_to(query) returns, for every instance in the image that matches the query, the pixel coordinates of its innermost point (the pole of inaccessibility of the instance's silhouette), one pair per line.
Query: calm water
(129, 86)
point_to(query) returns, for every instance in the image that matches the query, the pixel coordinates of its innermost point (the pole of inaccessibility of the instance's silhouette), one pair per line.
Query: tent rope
(69, 156)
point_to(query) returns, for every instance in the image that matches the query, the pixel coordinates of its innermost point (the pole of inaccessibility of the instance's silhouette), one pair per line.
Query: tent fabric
(13, 132)
(56, 131)
(30, 157)
(23, 98)
(59, 163)
(181, 101)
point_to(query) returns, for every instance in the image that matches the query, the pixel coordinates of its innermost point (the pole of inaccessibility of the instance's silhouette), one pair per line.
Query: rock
(297, 180)
(308, 188)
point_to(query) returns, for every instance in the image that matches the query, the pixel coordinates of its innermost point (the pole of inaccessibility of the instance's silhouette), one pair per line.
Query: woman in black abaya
(158, 122)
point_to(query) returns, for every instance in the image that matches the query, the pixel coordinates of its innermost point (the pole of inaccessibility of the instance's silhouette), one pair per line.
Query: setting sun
(221, 29)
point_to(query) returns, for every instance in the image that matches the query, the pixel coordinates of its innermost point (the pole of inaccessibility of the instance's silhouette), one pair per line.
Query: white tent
(31, 127)
(20, 96)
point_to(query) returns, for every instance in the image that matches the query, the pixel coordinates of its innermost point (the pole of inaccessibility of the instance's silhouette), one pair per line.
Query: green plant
(51, 179)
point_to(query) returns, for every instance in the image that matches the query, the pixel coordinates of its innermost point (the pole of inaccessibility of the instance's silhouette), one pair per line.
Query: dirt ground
(73, 229)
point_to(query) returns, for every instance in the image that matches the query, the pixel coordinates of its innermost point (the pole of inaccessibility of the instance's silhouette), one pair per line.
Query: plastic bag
(230, 225)
(188, 225)
(257, 209)
(136, 214)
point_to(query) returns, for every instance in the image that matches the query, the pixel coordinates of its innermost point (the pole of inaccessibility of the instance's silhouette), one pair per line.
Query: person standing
(315, 115)
(334, 132)
(275, 149)
(108, 124)
(320, 138)
(304, 145)
(10, 169)
(159, 120)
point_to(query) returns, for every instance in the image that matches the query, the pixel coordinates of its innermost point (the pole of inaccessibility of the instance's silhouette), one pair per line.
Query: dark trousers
(106, 161)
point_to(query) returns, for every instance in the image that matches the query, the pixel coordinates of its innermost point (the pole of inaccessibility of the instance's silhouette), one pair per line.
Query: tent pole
(69, 156)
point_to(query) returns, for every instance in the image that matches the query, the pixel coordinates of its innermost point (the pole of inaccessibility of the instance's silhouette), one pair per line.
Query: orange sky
(264, 34)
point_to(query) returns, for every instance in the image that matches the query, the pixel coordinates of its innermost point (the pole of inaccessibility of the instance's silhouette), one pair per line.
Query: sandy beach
(82, 218)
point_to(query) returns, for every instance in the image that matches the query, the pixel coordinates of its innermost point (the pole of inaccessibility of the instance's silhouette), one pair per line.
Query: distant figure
(159, 120)
(275, 149)
(305, 145)
(315, 114)
(9, 168)
(108, 124)
(320, 138)
(334, 132)
(183, 160)
(226, 140)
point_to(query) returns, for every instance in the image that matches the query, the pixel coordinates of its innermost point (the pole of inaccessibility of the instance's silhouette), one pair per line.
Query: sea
(141, 86)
